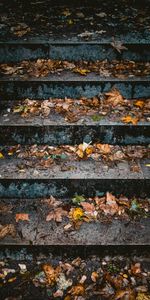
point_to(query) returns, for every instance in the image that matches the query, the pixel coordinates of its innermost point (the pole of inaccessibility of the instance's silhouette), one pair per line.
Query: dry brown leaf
(94, 276)
(51, 273)
(129, 119)
(118, 46)
(136, 269)
(22, 217)
(114, 98)
(56, 215)
(142, 296)
(125, 294)
(8, 229)
(88, 206)
(77, 290)
(104, 148)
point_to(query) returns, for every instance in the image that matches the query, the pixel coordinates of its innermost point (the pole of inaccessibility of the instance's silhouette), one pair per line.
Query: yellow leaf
(80, 153)
(12, 279)
(89, 150)
(147, 165)
(139, 103)
(70, 22)
(76, 214)
(129, 119)
(1, 155)
(142, 296)
(81, 71)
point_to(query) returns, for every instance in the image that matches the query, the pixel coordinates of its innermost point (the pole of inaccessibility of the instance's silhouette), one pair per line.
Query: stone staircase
(43, 158)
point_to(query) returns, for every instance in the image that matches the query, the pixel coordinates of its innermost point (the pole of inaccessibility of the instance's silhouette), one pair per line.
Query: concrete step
(77, 161)
(74, 86)
(60, 187)
(37, 133)
(113, 262)
(15, 51)
(124, 228)
(75, 21)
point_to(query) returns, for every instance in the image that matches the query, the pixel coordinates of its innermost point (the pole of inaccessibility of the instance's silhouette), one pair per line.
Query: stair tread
(34, 169)
(130, 28)
(115, 233)
(107, 229)
(73, 266)
(67, 76)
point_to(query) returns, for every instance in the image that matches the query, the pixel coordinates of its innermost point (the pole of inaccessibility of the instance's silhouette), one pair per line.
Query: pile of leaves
(111, 105)
(44, 156)
(45, 67)
(95, 209)
(115, 278)
(72, 213)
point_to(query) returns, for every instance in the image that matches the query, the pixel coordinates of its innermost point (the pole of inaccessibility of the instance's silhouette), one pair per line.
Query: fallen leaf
(8, 229)
(12, 279)
(76, 214)
(125, 294)
(56, 215)
(114, 97)
(139, 103)
(22, 217)
(104, 148)
(89, 208)
(81, 71)
(84, 150)
(83, 279)
(129, 119)
(142, 296)
(136, 269)
(94, 276)
(77, 290)
(51, 273)
(62, 282)
(1, 155)
(77, 199)
(118, 46)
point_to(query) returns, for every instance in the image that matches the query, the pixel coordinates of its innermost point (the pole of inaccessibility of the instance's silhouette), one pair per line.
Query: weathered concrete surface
(67, 169)
(73, 88)
(39, 232)
(124, 24)
(33, 188)
(12, 51)
(52, 135)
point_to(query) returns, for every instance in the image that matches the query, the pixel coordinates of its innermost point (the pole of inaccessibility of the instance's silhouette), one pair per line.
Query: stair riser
(57, 135)
(29, 253)
(18, 90)
(67, 188)
(15, 52)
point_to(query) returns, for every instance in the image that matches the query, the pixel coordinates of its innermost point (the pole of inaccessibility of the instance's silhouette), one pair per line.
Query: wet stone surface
(94, 277)
(128, 23)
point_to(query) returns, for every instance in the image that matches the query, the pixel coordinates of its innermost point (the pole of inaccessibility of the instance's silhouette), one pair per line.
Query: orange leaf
(94, 276)
(22, 217)
(129, 119)
(139, 103)
(105, 148)
(77, 290)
